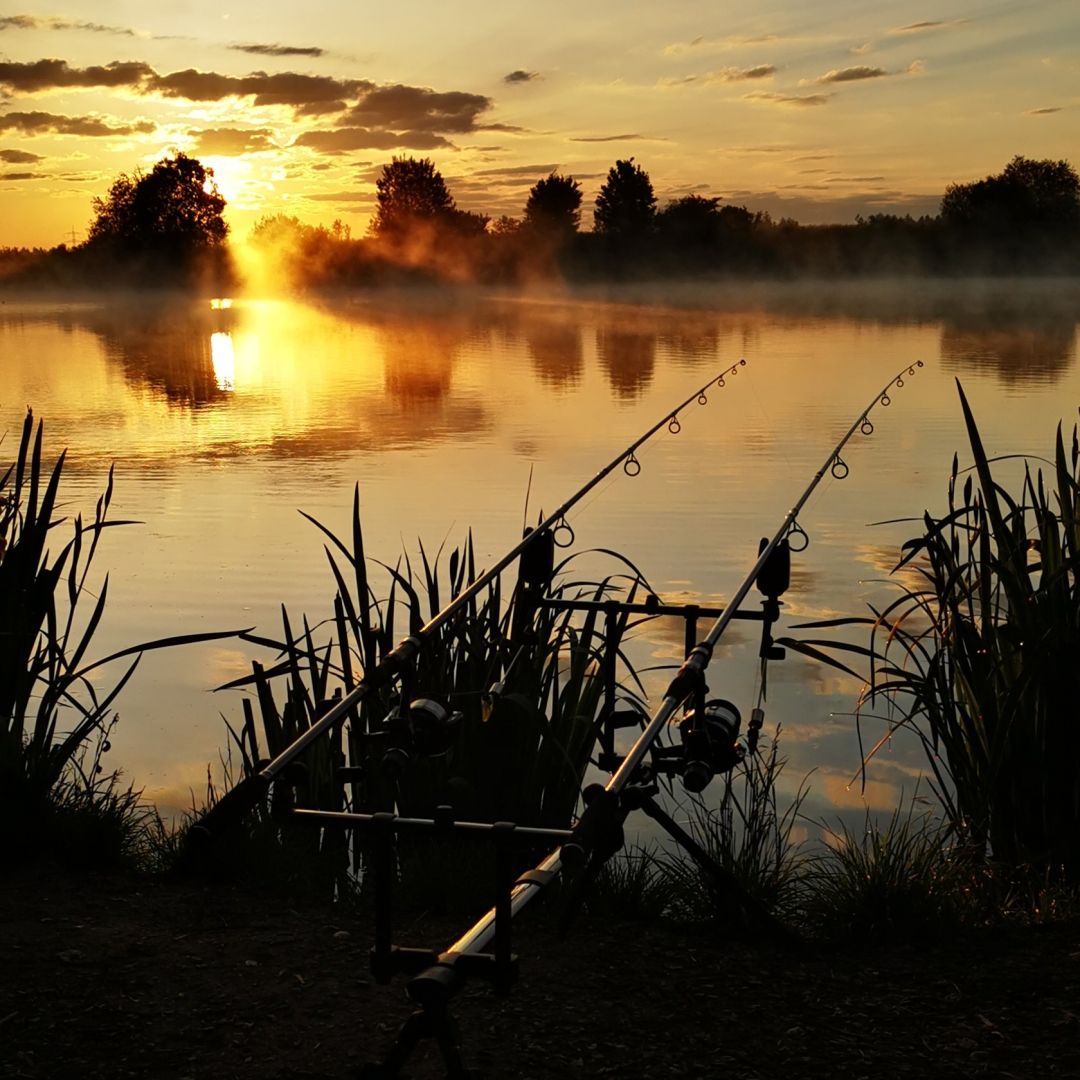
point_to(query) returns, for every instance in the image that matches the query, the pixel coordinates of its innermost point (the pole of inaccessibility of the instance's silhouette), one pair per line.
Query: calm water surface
(224, 424)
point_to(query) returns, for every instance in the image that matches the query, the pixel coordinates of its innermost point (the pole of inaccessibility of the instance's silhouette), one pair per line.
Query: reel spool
(426, 728)
(710, 743)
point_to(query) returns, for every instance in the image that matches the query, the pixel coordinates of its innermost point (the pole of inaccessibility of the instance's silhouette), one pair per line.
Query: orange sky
(817, 113)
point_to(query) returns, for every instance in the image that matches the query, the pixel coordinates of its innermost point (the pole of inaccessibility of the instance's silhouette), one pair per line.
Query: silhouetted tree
(626, 204)
(1026, 217)
(693, 220)
(554, 206)
(409, 192)
(172, 213)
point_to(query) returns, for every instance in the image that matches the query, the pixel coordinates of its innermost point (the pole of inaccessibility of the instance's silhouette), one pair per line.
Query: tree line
(167, 226)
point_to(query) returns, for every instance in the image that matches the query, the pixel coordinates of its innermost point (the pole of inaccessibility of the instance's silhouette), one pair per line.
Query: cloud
(52, 74)
(228, 142)
(798, 100)
(928, 25)
(733, 74)
(1046, 111)
(52, 22)
(851, 74)
(607, 138)
(519, 170)
(703, 43)
(341, 196)
(342, 140)
(280, 50)
(37, 123)
(22, 176)
(417, 108)
(521, 76)
(19, 157)
(512, 128)
(282, 88)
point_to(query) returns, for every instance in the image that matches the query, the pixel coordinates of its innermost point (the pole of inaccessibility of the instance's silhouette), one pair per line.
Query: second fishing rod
(236, 803)
(598, 832)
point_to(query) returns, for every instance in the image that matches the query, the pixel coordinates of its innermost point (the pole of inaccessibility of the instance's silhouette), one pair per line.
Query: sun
(232, 177)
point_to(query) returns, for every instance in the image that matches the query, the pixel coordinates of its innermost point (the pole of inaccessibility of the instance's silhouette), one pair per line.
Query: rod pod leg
(432, 1022)
(757, 916)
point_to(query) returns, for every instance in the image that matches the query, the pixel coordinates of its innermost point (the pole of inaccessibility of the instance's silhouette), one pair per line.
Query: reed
(55, 724)
(527, 683)
(979, 658)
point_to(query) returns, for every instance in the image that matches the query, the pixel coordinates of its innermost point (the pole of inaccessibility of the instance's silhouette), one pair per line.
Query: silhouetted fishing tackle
(706, 742)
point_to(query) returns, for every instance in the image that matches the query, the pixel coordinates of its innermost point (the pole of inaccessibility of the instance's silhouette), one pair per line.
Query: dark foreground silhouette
(107, 978)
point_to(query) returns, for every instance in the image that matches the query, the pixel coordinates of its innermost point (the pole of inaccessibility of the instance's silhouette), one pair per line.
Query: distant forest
(166, 229)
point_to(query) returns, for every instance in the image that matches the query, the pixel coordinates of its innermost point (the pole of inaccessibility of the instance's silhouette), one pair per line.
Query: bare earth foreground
(106, 978)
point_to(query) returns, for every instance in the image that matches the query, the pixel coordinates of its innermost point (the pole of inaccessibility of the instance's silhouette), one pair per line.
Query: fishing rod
(250, 791)
(598, 832)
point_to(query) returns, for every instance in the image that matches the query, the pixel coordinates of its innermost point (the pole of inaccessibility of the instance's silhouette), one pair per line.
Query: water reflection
(1016, 349)
(168, 347)
(628, 358)
(224, 360)
(555, 349)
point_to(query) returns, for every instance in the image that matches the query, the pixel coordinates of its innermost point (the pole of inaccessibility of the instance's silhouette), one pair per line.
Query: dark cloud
(417, 108)
(519, 170)
(521, 76)
(22, 176)
(851, 179)
(798, 100)
(500, 127)
(344, 139)
(321, 108)
(732, 74)
(929, 24)
(232, 141)
(606, 138)
(851, 74)
(282, 88)
(52, 74)
(37, 123)
(280, 50)
(1045, 111)
(52, 22)
(19, 157)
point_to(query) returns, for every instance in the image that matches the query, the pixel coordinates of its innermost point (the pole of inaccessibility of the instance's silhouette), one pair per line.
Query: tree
(173, 213)
(410, 191)
(626, 204)
(554, 206)
(1026, 195)
(692, 221)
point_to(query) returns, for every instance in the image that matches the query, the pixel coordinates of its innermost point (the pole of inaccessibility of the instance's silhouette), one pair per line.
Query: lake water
(223, 424)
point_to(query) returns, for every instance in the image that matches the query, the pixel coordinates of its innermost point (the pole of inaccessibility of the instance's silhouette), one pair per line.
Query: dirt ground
(109, 978)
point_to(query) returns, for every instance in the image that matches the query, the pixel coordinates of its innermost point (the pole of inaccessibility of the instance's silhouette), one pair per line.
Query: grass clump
(901, 881)
(979, 659)
(750, 838)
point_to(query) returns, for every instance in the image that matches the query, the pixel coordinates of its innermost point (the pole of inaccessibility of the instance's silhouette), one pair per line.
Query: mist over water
(224, 423)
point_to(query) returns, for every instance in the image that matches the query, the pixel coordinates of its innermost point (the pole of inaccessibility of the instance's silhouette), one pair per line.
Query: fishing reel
(423, 728)
(710, 743)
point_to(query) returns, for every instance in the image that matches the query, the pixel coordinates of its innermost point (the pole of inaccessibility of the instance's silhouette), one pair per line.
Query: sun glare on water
(224, 360)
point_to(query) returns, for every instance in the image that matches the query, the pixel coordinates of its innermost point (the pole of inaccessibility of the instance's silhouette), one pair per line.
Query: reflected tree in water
(556, 352)
(165, 348)
(1019, 349)
(628, 358)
